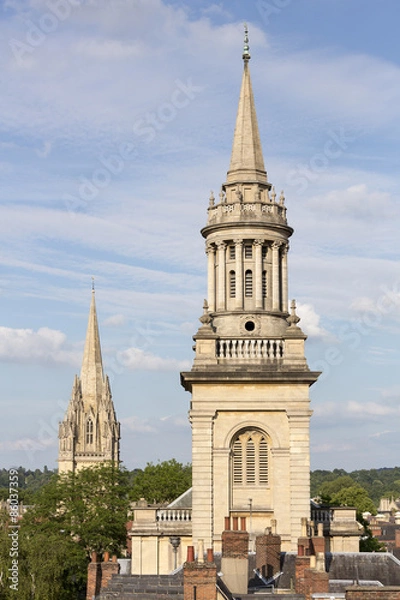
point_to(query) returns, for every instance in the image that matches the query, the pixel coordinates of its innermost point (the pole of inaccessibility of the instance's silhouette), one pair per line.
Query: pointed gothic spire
(247, 163)
(92, 365)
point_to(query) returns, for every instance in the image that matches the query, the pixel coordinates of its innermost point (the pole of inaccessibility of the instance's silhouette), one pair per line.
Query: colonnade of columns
(218, 284)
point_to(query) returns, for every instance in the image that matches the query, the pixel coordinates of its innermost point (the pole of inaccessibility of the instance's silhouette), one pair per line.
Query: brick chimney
(94, 577)
(268, 552)
(199, 577)
(235, 556)
(108, 569)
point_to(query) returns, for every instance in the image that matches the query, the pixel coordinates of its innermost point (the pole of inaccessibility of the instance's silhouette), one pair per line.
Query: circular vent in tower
(249, 326)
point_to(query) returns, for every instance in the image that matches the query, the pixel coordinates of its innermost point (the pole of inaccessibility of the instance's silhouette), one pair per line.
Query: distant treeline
(30, 481)
(379, 483)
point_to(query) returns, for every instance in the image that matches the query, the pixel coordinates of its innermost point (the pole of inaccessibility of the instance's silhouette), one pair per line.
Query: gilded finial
(246, 48)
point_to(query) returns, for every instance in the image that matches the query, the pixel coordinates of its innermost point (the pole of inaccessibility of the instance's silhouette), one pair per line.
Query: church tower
(250, 380)
(90, 433)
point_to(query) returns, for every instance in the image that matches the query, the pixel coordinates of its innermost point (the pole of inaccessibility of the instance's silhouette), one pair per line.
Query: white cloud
(372, 408)
(310, 322)
(107, 49)
(44, 346)
(379, 434)
(28, 444)
(138, 425)
(114, 321)
(137, 359)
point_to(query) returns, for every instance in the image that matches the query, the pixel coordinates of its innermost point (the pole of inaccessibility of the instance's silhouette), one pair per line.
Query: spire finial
(246, 48)
(93, 284)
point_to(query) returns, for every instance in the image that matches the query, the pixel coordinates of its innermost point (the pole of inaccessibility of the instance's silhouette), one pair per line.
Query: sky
(116, 121)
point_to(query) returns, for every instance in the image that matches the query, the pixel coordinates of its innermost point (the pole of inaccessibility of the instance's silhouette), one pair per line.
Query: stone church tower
(90, 432)
(250, 380)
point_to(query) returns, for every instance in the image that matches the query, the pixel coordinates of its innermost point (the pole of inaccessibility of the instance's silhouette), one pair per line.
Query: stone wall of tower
(281, 410)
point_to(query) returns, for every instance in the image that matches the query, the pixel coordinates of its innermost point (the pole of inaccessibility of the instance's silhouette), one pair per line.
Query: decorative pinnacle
(205, 318)
(92, 284)
(246, 48)
(293, 319)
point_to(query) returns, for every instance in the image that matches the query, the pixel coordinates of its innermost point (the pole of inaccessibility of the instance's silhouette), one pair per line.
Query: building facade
(250, 407)
(89, 433)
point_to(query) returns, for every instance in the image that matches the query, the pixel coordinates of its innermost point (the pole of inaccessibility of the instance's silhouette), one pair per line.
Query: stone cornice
(237, 374)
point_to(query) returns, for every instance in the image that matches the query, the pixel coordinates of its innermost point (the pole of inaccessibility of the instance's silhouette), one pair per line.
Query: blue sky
(116, 121)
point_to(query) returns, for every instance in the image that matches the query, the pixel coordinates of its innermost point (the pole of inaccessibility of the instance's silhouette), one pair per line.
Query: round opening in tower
(249, 326)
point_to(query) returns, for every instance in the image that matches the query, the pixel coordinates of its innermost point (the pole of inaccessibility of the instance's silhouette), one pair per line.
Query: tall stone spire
(247, 163)
(89, 433)
(92, 377)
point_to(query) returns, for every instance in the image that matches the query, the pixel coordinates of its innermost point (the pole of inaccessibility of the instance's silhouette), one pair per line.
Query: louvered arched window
(232, 284)
(250, 458)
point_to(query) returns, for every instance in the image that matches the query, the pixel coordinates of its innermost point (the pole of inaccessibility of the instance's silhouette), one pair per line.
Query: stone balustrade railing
(322, 515)
(173, 514)
(265, 211)
(272, 349)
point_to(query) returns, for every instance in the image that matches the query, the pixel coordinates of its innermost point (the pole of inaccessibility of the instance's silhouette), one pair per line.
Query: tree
(369, 543)
(329, 488)
(74, 514)
(162, 482)
(354, 495)
(91, 506)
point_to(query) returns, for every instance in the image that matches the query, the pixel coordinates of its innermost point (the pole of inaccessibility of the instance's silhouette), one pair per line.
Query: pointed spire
(92, 365)
(247, 163)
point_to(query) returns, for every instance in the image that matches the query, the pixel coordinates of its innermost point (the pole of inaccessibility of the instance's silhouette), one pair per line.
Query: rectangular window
(232, 253)
(248, 251)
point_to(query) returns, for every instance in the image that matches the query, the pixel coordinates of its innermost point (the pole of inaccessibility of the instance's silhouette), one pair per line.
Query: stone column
(221, 296)
(210, 251)
(202, 466)
(258, 273)
(275, 276)
(285, 278)
(239, 273)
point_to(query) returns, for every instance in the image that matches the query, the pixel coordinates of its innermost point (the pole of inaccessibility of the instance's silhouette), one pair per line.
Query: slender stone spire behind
(92, 378)
(247, 163)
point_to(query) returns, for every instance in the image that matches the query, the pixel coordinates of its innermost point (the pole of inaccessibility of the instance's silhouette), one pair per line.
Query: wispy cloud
(44, 346)
(137, 359)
